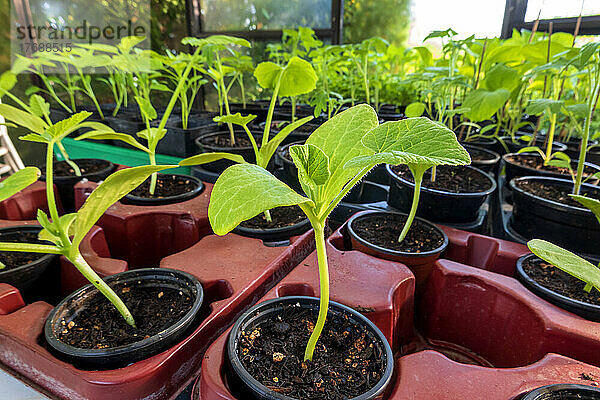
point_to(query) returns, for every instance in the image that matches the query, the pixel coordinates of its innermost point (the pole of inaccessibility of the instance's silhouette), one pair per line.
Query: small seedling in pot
(335, 157)
(152, 135)
(297, 77)
(567, 261)
(67, 231)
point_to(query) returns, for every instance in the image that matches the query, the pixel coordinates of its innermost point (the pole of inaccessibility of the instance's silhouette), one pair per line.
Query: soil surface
(384, 230)
(557, 193)
(479, 155)
(559, 281)
(307, 128)
(346, 361)
(99, 325)
(166, 186)
(91, 166)
(536, 162)
(453, 179)
(14, 259)
(223, 140)
(280, 217)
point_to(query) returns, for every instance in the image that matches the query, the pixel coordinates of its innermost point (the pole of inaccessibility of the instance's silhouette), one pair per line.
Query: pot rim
(241, 133)
(57, 178)
(551, 203)
(44, 257)
(138, 274)
(143, 201)
(536, 393)
(257, 386)
(532, 285)
(506, 160)
(484, 150)
(384, 250)
(487, 192)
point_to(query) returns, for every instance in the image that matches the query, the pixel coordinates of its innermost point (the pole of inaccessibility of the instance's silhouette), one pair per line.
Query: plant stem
(68, 160)
(50, 184)
(91, 275)
(550, 138)
(413, 209)
(154, 176)
(267, 130)
(324, 296)
(268, 216)
(293, 109)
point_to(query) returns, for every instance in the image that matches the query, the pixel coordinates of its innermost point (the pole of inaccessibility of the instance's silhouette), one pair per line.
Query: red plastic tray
(477, 332)
(235, 271)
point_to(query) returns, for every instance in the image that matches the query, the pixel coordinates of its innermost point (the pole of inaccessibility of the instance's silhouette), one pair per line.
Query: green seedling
(335, 157)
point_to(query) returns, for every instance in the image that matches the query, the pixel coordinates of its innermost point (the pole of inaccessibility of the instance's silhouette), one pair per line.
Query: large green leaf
(501, 77)
(296, 78)
(243, 191)
(62, 128)
(412, 141)
(220, 40)
(18, 181)
(340, 138)
(22, 118)
(236, 118)
(539, 106)
(592, 204)
(567, 261)
(414, 110)
(266, 152)
(482, 103)
(206, 158)
(106, 194)
(107, 135)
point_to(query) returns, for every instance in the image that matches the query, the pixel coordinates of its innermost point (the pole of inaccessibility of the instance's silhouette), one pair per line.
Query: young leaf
(106, 194)
(205, 158)
(107, 135)
(62, 128)
(266, 152)
(539, 106)
(22, 118)
(592, 204)
(243, 191)
(33, 137)
(312, 163)
(39, 106)
(567, 261)
(8, 80)
(414, 110)
(296, 78)
(146, 108)
(484, 103)
(49, 234)
(501, 77)
(236, 118)
(18, 181)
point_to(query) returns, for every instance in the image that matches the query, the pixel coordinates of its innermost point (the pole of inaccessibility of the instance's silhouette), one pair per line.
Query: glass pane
(549, 9)
(237, 15)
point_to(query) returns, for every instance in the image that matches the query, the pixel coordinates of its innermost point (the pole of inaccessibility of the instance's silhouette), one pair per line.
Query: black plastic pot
(490, 160)
(514, 147)
(299, 135)
(204, 146)
(275, 236)
(245, 386)
(592, 155)
(586, 310)
(514, 170)
(258, 108)
(24, 276)
(65, 184)
(564, 392)
(482, 142)
(67, 309)
(437, 205)
(143, 201)
(179, 142)
(574, 228)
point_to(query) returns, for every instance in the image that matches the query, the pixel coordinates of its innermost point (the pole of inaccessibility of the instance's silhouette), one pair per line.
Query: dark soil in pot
(564, 392)
(280, 218)
(483, 142)
(285, 223)
(170, 188)
(221, 142)
(542, 209)
(22, 268)
(485, 160)
(86, 329)
(531, 164)
(266, 348)
(99, 325)
(455, 196)
(64, 177)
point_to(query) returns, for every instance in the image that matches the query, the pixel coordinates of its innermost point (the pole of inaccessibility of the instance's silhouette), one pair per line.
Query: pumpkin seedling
(335, 157)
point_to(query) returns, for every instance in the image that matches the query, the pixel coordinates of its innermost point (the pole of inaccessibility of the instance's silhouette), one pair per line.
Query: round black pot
(514, 170)
(65, 184)
(67, 309)
(574, 228)
(219, 166)
(22, 277)
(290, 175)
(298, 135)
(586, 310)
(490, 160)
(180, 142)
(143, 201)
(259, 109)
(564, 391)
(437, 205)
(247, 387)
(514, 147)
(275, 236)
(592, 155)
(482, 142)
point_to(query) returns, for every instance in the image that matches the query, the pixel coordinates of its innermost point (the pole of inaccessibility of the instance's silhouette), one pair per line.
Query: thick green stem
(268, 216)
(50, 183)
(68, 160)
(242, 89)
(413, 207)
(293, 109)
(87, 271)
(324, 284)
(154, 176)
(550, 138)
(267, 130)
